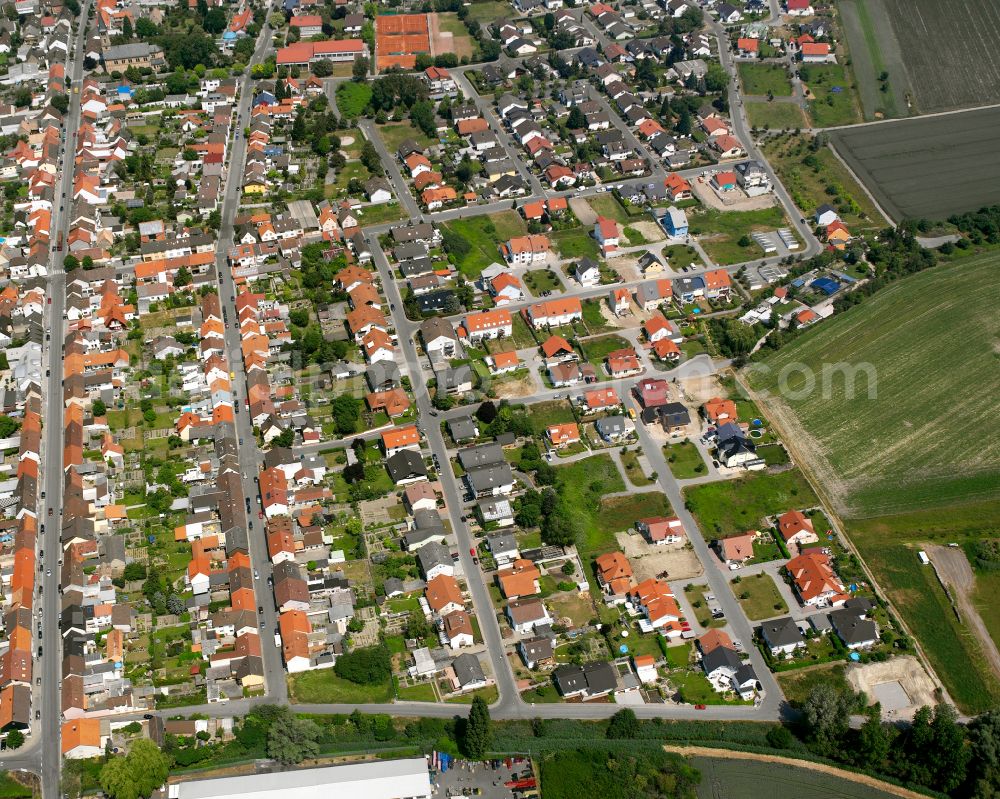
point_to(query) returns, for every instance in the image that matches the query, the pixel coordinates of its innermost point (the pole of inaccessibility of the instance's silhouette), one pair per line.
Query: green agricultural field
(735, 506)
(835, 100)
(749, 779)
(925, 354)
(719, 232)
(485, 234)
(915, 37)
(776, 116)
(764, 78)
(875, 54)
(811, 176)
(900, 165)
(889, 546)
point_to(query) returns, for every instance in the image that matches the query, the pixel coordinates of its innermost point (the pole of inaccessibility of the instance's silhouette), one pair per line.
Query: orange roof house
(815, 581)
(614, 573)
(562, 435)
(794, 527)
(400, 438)
(520, 579)
(720, 411)
(443, 594)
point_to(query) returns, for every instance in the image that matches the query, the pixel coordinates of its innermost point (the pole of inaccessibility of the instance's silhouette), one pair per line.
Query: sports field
(907, 432)
(943, 54)
(931, 167)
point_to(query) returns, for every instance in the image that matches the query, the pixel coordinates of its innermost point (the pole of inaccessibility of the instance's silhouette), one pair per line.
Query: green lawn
(487, 11)
(421, 692)
(596, 350)
(814, 178)
(831, 107)
(776, 116)
(796, 685)
(395, 133)
(764, 78)
(550, 412)
(490, 693)
(620, 513)
(759, 597)
(735, 506)
(607, 205)
(695, 689)
(583, 484)
(719, 232)
(353, 99)
(539, 280)
(684, 459)
(593, 317)
(485, 234)
(936, 456)
(325, 687)
(380, 214)
(575, 243)
(633, 471)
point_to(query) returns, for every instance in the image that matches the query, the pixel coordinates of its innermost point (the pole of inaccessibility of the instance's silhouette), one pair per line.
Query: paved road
(391, 168)
(42, 753)
(405, 330)
(250, 457)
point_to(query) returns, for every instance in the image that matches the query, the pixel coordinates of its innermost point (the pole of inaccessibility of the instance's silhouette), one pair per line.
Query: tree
(99, 408)
(369, 157)
(826, 714)
(136, 774)
(70, 263)
(360, 69)
(60, 101)
(291, 740)
(345, 413)
(134, 571)
(623, 724)
(477, 735)
(486, 412)
(15, 739)
(873, 741)
(145, 28)
(576, 119)
(417, 626)
(183, 277)
(285, 438)
(354, 472)
(323, 68)
(365, 666)
(984, 749)
(8, 427)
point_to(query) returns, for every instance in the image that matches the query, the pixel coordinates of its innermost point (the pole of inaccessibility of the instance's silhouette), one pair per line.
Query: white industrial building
(383, 779)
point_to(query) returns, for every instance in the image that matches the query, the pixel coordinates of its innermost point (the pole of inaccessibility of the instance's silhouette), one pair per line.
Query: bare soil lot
(678, 560)
(905, 670)
(926, 168)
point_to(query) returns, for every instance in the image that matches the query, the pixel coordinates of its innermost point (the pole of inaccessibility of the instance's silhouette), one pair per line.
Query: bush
(365, 666)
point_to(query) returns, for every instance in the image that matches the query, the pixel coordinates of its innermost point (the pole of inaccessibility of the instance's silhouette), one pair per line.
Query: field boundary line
(861, 183)
(838, 525)
(822, 768)
(897, 120)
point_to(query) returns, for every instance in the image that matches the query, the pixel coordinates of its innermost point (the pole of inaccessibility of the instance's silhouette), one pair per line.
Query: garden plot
(650, 561)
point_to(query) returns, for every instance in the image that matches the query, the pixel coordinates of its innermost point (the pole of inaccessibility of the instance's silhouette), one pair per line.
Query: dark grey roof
(601, 677)
(483, 455)
(852, 628)
(489, 477)
(468, 669)
(433, 554)
(539, 648)
(569, 679)
(405, 465)
(722, 657)
(781, 632)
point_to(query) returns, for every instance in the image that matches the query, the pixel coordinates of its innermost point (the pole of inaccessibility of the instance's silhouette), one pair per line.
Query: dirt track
(955, 572)
(861, 779)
